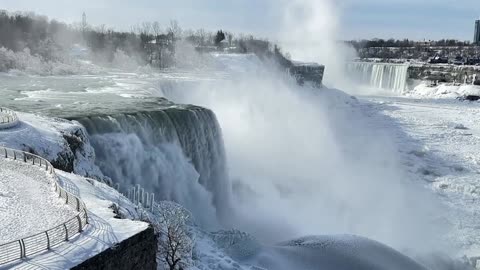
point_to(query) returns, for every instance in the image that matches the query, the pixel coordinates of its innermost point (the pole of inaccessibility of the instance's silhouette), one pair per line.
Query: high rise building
(476, 39)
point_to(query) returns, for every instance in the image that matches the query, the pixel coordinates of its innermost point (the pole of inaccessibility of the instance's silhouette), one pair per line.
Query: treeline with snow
(29, 38)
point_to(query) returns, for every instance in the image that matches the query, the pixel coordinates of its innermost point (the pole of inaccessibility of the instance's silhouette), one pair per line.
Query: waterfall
(176, 152)
(385, 76)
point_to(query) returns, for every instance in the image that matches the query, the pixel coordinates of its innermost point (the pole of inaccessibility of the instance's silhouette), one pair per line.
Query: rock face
(443, 73)
(137, 252)
(307, 73)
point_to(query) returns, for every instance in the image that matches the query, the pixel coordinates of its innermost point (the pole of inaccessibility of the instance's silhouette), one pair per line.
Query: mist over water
(306, 162)
(310, 32)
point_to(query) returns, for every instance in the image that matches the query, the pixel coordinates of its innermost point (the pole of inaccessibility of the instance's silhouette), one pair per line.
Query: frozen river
(440, 142)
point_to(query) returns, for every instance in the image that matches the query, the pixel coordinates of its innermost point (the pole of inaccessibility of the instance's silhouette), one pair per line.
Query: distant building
(476, 39)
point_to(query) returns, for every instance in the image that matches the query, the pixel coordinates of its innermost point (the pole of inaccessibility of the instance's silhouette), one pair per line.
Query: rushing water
(177, 153)
(391, 77)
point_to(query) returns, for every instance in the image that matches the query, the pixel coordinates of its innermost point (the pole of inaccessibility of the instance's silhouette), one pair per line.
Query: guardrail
(139, 196)
(45, 240)
(8, 118)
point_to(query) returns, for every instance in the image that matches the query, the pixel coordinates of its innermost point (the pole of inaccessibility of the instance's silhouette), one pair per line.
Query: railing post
(80, 228)
(86, 215)
(152, 201)
(78, 203)
(22, 248)
(48, 240)
(66, 231)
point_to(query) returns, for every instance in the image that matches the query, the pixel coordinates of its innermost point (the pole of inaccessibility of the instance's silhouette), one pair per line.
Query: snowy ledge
(8, 118)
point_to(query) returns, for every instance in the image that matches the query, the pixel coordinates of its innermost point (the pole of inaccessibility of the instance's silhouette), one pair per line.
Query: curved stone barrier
(8, 118)
(42, 241)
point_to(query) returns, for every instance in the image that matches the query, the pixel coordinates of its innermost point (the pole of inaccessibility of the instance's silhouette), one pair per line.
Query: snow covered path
(28, 202)
(442, 147)
(102, 232)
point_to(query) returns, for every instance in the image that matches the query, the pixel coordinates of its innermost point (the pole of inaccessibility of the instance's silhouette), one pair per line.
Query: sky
(413, 19)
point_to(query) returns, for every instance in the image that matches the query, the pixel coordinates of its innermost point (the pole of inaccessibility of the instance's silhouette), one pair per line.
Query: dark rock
(469, 98)
(472, 97)
(136, 252)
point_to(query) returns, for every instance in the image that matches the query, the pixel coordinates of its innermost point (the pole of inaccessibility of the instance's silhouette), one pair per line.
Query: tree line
(150, 42)
(405, 43)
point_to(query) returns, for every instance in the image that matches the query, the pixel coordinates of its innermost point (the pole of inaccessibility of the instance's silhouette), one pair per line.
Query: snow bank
(443, 91)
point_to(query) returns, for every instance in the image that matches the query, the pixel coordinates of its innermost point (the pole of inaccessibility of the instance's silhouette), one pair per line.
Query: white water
(304, 162)
(391, 77)
(175, 153)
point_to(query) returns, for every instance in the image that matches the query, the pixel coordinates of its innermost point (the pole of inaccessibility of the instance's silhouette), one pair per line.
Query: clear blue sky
(414, 19)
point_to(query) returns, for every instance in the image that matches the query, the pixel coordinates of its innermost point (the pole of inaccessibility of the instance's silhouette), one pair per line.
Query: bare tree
(175, 29)
(102, 29)
(175, 245)
(201, 36)
(230, 38)
(157, 30)
(146, 28)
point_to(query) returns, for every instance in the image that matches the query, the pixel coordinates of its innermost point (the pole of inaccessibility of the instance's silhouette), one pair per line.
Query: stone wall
(136, 252)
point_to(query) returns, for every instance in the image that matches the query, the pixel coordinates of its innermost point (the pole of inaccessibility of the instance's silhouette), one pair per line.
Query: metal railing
(139, 196)
(45, 240)
(8, 118)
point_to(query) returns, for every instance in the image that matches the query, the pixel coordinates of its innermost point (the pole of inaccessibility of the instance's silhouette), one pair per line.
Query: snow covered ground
(103, 231)
(441, 144)
(28, 202)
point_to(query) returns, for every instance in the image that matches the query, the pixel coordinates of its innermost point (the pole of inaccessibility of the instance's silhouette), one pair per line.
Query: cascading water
(392, 77)
(177, 153)
(302, 163)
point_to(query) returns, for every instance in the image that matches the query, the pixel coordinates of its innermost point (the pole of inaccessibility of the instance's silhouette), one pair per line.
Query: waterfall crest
(384, 76)
(177, 153)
